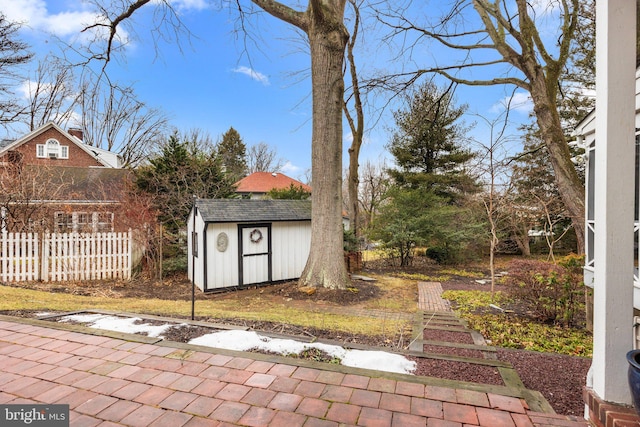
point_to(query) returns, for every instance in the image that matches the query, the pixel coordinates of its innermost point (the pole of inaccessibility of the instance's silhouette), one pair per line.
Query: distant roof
(80, 183)
(251, 210)
(263, 182)
(5, 142)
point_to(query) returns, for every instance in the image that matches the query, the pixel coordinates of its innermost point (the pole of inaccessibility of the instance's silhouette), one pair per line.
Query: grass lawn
(396, 293)
(396, 296)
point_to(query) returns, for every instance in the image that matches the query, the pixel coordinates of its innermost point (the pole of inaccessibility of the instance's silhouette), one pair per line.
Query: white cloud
(290, 169)
(521, 102)
(255, 75)
(189, 4)
(35, 15)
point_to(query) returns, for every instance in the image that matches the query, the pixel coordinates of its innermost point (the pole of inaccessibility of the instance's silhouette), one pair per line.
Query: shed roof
(251, 210)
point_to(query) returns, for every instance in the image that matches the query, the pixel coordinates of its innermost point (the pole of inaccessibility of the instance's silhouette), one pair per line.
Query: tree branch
(285, 13)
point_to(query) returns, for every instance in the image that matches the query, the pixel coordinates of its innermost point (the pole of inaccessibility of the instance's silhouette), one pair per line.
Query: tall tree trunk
(327, 39)
(352, 189)
(323, 24)
(357, 128)
(570, 186)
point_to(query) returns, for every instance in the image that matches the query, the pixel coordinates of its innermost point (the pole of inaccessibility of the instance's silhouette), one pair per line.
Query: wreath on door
(255, 236)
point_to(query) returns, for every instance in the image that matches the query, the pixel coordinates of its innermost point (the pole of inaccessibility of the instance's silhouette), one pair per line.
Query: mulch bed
(559, 378)
(448, 336)
(459, 371)
(453, 351)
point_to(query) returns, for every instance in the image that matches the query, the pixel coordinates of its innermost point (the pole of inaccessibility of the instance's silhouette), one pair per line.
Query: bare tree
(322, 21)
(52, 94)
(23, 191)
(554, 217)
(13, 54)
(355, 123)
(493, 163)
(263, 158)
(374, 184)
(522, 56)
(114, 119)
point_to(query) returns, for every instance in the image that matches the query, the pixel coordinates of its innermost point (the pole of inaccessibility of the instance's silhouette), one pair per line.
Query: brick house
(52, 181)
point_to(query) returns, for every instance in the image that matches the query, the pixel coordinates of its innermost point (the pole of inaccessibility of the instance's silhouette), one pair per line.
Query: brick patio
(112, 379)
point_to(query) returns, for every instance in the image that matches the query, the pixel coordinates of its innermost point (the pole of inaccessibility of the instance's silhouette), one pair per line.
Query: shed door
(255, 253)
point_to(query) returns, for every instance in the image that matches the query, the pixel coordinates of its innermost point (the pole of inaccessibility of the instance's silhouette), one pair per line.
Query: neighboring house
(258, 184)
(241, 242)
(52, 180)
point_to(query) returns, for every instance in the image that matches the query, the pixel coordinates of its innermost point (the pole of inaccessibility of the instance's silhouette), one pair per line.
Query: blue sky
(209, 81)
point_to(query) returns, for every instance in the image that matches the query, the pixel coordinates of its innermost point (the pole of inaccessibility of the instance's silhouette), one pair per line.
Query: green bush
(349, 240)
(551, 292)
(439, 254)
(174, 265)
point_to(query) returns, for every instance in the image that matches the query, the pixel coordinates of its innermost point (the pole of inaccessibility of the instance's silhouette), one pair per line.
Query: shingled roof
(248, 210)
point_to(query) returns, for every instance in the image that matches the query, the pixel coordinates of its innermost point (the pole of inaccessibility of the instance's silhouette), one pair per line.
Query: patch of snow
(119, 324)
(43, 314)
(367, 359)
(245, 340)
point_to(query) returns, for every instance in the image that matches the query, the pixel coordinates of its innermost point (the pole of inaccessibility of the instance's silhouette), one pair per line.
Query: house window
(83, 222)
(103, 221)
(52, 149)
(63, 222)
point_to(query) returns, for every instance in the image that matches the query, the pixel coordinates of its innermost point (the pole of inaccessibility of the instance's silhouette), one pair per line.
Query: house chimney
(77, 133)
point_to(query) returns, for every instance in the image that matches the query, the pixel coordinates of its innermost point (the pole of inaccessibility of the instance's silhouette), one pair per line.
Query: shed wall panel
(222, 267)
(199, 258)
(291, 242)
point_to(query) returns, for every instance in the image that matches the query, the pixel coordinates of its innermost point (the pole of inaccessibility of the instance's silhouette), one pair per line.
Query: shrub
(438, 254)
(349, 240)
(174, 265)
(550, 292)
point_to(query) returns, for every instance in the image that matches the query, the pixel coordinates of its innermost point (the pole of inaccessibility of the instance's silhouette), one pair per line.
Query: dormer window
(52, 150)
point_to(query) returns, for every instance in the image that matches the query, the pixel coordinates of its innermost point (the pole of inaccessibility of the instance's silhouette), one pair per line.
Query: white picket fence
(65, 256)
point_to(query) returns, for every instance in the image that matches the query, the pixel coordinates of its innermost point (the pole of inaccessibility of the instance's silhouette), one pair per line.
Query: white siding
(290, 245)
(199, 259)
(222, 267)
(255, 267)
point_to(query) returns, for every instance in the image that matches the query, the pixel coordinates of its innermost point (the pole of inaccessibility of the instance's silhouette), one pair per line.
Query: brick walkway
(429, 297)
(111, 379)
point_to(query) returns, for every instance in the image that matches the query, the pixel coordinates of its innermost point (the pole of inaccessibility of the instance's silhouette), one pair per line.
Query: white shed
(241, 242)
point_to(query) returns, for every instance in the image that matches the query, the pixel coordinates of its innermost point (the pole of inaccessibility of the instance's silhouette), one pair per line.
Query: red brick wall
(77, 156)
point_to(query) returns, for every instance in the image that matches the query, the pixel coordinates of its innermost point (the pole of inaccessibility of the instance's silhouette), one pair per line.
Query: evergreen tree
(233, 154)
(180, 171)
(429, 203)
(291, 193)
(428, 146)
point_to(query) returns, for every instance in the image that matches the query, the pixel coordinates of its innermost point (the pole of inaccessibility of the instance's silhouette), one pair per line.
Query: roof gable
(263, 182)
(248, 210)
(51, 125)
